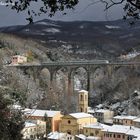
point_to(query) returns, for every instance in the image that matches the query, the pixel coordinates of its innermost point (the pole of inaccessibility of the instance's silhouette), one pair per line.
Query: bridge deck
(76, 63)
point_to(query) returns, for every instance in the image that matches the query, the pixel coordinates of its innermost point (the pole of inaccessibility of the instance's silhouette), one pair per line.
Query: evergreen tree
(48, 124)
(11, 121)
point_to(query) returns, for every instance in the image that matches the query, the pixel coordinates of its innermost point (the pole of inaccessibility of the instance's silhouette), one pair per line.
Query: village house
(105, 132)
(136, 122)
(53, 117)
(94, 129)
(124, 120)
(18, 59)
(73, 123)
(34, 129)
(116, 132)
(120, 132)
(104, 115)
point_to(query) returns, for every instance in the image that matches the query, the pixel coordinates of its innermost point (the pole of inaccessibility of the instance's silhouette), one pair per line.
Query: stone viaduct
(70, 67)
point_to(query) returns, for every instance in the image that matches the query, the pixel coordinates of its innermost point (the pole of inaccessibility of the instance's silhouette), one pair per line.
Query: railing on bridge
(81, 62)
(76, 62)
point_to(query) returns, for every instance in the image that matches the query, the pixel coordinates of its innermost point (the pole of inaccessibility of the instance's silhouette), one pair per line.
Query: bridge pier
(52, 83)
(90, 76)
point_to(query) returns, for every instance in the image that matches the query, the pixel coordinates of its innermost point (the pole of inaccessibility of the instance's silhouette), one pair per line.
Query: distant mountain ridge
(103, 39)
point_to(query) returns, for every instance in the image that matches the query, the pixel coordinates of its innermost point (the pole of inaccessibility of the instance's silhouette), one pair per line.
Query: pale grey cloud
(82, 12)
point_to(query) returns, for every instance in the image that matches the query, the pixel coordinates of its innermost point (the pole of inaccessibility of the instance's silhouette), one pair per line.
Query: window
(130, 138)
(69, 132)
(86, 130)
(31, 136)
(107, 135)
(91, 134)
(69, 121)
(114, 135)
(96, 132)
(118, 136)
(81, 97)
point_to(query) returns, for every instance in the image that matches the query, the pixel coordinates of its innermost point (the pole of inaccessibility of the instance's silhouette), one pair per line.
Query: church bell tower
(83, 101)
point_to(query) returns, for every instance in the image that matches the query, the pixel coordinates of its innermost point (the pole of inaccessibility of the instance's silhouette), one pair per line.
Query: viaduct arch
(70, 68)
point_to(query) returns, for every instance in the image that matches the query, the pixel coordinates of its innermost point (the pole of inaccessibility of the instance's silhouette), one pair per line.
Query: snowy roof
(99, 106)
(130, 117)
(119, 117)
(91, 111)
(137, 120)
(96, 126)
(41, 113)
(29, 124)
(83, 91)
(129, 130)
(125, 117)
(80, 115)
(133, 131)
(102, 110)
(93, 138)
(26, 110)
(81, 136)
(56, 135)
(108, 121)
(117, 129)
(16, 107)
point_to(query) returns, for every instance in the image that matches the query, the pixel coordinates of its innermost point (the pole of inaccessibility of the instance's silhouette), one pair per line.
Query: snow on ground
(130, 55)
(6, 3)
(27, 30)
(81, 27)
(47, 24)
(52, 30)
(77, 85)
(112, 27)
(126, 36)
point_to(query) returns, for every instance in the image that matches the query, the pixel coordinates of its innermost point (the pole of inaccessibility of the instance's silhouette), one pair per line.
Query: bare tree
(131, 7)
(50, 7)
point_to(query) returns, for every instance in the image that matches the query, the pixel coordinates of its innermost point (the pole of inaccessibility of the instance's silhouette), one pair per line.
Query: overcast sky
(82, 12)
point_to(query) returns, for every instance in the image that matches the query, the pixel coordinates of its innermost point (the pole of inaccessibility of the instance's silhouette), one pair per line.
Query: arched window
(81, 97)
(69, 132)
(69, 121)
